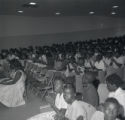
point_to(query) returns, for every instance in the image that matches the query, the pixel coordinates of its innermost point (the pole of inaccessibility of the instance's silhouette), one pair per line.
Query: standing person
(114, 85)
(12, 89)
(90, 94)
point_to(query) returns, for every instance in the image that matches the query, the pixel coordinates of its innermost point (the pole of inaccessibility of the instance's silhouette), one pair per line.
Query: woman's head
(15, 64)
(69, 93)
(113, 82)
(111, 107)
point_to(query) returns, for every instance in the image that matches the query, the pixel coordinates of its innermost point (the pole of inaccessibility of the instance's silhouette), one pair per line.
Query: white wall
(17, 31)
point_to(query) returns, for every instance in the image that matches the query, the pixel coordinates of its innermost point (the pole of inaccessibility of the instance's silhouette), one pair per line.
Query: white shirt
(119, 94)
(76, 110)
(44, 58)
(87, 63)
(100, 65)
(98, 115)
(77, 56)
(103, 92)
(60, 102)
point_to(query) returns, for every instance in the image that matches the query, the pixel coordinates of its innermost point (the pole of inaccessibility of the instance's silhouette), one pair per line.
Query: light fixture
(113, 13)
(91, 13)
(115, 6)
(20, 11)
(32, 3)
(57, 13)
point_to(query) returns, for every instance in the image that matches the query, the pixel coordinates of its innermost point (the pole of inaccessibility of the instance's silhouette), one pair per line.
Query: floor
(31, 108)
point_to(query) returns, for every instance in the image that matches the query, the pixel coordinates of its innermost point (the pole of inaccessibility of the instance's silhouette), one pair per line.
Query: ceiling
(65, 7)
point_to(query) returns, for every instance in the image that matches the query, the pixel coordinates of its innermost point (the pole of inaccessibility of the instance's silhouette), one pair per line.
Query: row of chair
(39, 80)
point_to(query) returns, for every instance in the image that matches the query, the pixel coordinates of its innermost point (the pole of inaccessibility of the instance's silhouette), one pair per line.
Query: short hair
(15, 64)
(112, 100)
(71, 87)
(114, 79)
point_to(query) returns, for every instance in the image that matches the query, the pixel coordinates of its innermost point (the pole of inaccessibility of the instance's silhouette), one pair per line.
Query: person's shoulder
(76, 104)
(98, 115)
(86, 105)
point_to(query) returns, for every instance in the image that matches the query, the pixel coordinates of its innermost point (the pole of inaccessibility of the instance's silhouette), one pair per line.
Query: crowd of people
(92, 84)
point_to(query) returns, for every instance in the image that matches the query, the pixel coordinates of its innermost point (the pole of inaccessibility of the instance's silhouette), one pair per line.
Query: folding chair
(49, 80)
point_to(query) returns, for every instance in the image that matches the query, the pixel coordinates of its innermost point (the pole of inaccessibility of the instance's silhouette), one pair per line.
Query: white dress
(12, 95)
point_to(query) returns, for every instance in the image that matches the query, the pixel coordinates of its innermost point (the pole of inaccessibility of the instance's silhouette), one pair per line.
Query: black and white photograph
(62, 59)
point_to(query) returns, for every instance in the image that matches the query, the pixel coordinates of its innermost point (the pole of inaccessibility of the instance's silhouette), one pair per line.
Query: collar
(118, 91)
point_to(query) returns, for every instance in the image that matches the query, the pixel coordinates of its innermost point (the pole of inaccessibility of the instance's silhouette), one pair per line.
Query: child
(59, 105)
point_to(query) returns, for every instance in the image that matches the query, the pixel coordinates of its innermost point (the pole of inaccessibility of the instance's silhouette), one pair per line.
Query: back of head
(89, 77)
(112, 100)
(114, 79)
(15, 64)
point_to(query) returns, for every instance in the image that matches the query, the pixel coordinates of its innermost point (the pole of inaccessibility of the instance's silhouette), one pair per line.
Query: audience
(81, 63)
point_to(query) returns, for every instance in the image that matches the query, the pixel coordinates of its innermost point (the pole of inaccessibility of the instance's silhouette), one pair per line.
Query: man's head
(88, 78)
(58, 84)
(69, 93)
(111, 107)
(113, 82)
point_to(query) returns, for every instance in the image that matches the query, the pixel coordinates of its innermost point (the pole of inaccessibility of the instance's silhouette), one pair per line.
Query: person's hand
(50, 100)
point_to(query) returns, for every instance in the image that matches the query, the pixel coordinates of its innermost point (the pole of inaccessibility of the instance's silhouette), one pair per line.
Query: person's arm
(14, 80)
(60, 112)
(4, 80)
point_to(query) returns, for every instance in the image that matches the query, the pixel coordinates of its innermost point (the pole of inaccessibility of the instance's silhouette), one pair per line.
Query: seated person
(12, 89)
(59, 105)
(109, 111)
(90, 94)
(114, 85)
(99, 64)
(76, 109)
